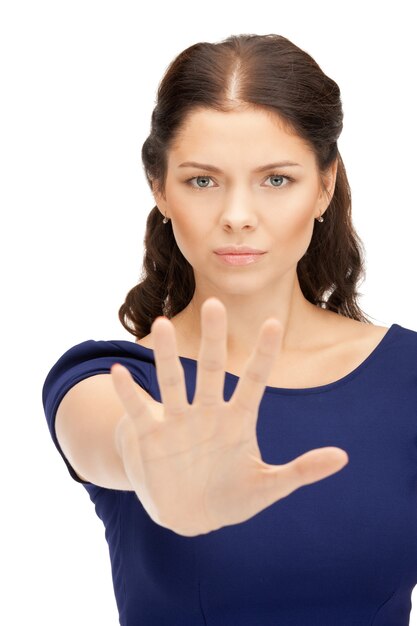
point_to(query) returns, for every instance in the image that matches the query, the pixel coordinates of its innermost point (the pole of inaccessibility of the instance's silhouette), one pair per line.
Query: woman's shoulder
(395, 344)
(102, 348)
(91, 357)
(363, 337)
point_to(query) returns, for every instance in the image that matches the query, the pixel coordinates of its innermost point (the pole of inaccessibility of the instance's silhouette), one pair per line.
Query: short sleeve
(88, 359)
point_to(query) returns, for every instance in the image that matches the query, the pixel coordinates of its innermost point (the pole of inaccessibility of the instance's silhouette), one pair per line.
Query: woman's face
(272, 210)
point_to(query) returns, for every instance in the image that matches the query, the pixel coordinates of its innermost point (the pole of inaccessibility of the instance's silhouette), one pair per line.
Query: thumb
(312, 466)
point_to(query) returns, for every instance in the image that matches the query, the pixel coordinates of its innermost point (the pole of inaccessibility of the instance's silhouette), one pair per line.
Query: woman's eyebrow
(212, 168)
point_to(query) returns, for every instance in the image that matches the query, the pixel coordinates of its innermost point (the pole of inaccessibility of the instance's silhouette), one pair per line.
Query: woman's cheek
(188, 237)
(294, 234)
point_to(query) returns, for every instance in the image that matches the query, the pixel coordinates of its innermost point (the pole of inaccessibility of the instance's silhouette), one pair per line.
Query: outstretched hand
(197, 467)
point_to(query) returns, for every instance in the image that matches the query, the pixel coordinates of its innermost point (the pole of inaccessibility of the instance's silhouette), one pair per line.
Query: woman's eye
(278, 179)
(204, 178)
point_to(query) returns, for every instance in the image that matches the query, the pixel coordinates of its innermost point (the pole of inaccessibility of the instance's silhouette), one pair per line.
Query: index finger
(212, 355)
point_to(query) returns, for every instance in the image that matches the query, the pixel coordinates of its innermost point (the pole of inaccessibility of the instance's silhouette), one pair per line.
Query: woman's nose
(238, 209)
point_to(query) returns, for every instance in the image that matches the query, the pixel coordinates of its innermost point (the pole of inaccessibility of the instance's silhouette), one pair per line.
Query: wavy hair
(270, 72)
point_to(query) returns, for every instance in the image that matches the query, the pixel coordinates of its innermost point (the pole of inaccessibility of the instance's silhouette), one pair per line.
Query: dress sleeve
(81, 361)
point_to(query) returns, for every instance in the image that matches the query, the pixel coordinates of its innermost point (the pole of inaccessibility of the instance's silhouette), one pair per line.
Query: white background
(78, 83)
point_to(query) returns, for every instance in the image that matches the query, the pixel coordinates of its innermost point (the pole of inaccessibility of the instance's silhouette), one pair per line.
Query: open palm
(197, 467)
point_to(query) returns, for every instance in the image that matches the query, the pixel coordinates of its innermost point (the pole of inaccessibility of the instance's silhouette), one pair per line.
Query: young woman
(252, 454)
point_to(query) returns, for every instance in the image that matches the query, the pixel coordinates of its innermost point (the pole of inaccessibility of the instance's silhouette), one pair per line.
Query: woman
(254, 372)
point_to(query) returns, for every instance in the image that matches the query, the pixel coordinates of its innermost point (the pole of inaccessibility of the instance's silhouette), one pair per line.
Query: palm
(197, 467)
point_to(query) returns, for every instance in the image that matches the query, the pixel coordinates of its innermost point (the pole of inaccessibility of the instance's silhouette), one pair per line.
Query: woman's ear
(160, 200)
(330, 180)
(328, 184)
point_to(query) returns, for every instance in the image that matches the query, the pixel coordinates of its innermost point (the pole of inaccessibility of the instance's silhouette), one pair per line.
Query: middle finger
(212, 354)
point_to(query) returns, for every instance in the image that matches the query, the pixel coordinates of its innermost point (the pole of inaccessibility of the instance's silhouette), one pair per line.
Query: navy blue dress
(339, 552)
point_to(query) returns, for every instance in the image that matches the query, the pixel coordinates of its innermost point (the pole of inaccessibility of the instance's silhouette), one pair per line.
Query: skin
(198, 467)
(266, 211)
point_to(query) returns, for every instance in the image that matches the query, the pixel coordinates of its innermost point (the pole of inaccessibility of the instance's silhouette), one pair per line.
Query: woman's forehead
(215, 137)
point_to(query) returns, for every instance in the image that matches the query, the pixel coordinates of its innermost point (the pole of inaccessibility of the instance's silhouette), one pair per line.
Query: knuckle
(266, 349)
(177, 411)
(242, 406)
(299, 471)
(255, 375)
(170, 380)
(127, 395)
(211, 365)
(208, 400)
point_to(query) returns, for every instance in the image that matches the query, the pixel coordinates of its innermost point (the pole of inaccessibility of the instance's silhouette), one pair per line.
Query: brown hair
(272, 73)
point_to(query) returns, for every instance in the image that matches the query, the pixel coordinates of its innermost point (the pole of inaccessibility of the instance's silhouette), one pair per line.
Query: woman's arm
(85, 424)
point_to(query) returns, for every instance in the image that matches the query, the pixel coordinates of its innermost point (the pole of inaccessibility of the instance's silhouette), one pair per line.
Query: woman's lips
(239, 259)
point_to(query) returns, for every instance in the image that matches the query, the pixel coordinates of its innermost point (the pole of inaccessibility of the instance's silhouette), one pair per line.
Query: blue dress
(339, 552)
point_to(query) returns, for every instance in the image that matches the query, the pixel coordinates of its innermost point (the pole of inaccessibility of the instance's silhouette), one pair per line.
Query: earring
(165, 220)
(320, 219)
